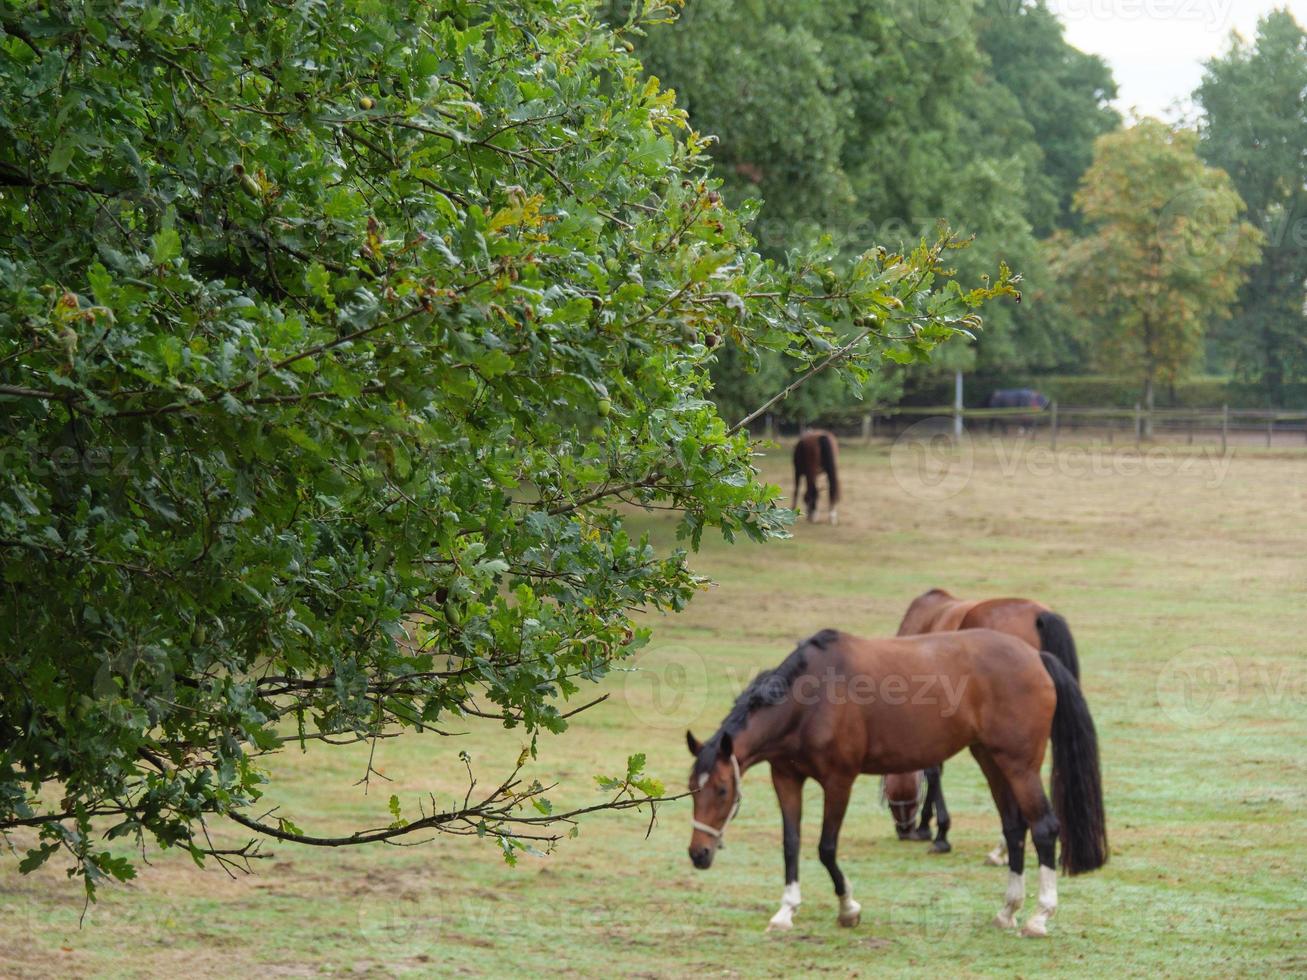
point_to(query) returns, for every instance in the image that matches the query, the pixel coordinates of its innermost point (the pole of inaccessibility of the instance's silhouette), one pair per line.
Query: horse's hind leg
(1029, 792)
(1014, 833)
(998, 856)
(837, 801)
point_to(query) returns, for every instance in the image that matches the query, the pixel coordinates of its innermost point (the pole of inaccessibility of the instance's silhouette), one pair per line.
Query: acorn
(366, 103)
(712, 340)
(605, 407)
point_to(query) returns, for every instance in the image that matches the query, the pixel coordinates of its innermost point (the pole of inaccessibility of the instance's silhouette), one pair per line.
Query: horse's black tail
(827, 445)
(1077, 782)
(1055, 637)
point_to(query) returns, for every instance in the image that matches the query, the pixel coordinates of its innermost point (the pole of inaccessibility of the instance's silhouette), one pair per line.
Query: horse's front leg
(922, 831)
(935, 780)
(837, 802)
(789, 793)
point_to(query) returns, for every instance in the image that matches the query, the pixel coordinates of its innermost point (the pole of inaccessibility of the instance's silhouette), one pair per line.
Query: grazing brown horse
(939, 611)
(816, 452)
(840, 706)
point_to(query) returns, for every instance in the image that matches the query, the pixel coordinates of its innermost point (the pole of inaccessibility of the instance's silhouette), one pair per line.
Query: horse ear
(693, 743)
(726, 748)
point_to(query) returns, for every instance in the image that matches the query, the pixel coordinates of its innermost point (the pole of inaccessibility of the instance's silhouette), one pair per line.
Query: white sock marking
(1012, 901)
(784, 917)
(850, 911)
(1037, 924)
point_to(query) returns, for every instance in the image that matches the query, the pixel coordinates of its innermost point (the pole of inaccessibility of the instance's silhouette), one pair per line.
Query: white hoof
(997, 858)
(1005, 920)
(783, 920)
(1036, 927)
(850, 912)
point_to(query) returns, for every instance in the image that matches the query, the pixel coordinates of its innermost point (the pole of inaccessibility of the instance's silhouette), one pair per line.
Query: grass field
(1183, 576)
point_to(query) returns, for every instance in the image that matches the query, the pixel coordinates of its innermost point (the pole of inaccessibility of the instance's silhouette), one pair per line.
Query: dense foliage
(874, 122)
(1254, 127)
(1165, 255)
(334, 338)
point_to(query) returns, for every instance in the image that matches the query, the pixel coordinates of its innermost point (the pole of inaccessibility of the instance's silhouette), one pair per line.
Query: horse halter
(739, 798)
(916, 805)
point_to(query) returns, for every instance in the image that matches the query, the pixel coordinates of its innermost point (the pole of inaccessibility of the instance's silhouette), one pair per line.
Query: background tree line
(865, 123)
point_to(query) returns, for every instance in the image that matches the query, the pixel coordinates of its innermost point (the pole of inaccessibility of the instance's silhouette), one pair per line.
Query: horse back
(914, 701)
(1015, 617)
(936, 611)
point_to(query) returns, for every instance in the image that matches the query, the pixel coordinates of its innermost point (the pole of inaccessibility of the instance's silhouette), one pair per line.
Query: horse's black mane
(769, 688)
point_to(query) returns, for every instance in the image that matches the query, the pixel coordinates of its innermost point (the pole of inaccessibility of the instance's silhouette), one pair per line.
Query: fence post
(1225, 428)
(1270, 429)
(1139, 425)
(866, 428)
(1052, 428)
(957, 406)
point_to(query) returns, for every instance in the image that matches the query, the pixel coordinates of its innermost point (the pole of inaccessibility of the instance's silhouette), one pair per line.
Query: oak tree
(336, 343)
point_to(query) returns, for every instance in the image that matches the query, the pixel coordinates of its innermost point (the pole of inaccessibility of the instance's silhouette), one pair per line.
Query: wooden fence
(1137, 424)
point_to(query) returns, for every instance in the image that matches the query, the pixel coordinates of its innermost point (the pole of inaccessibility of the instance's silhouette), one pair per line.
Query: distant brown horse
(938, 611)
(816, 452)
(840, 706)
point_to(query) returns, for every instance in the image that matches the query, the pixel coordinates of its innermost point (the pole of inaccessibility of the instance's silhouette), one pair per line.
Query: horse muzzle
(702, 857)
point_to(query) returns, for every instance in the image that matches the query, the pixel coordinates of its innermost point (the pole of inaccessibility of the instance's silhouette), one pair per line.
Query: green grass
(1161, 573)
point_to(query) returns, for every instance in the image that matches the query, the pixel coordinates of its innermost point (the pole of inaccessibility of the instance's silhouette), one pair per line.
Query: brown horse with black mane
(840, 706)
(939, 611)
(816, 453)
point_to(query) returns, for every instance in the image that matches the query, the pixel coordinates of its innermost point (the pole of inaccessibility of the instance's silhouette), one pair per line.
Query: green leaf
(166, 245)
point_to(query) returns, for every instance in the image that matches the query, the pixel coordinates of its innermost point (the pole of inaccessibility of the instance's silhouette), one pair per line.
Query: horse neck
(762, 733)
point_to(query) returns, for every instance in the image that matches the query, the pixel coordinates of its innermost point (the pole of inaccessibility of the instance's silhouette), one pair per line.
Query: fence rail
(1142, 422)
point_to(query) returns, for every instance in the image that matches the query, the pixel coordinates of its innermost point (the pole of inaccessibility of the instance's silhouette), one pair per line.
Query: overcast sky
(1156, 47)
